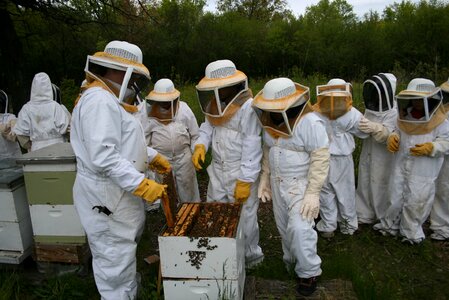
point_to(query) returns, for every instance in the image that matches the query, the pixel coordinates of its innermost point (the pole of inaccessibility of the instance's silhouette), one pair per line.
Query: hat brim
(283, 103)
(211, 83)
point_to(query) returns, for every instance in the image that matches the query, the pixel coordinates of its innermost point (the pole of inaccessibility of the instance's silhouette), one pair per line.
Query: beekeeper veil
(334, 99)
(280, 105)
(445, 92)
(56, 93)
(122, 56)
(163, 101)
(420, 107)
(379, 91)
(222, 91)
(3, 102)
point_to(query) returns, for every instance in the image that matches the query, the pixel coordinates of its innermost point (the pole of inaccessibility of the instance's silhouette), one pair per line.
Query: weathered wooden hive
(202, 255)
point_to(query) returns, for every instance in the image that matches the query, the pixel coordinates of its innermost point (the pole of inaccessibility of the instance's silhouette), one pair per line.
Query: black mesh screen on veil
(3, 101)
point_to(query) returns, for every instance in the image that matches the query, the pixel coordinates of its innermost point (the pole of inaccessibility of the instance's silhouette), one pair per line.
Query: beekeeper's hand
(368, 126)
(393, 142)
(150, 190)
(264, 188)
(310, 206)
(422, 149)
(160, 164)
(198, 156)
(242, 191)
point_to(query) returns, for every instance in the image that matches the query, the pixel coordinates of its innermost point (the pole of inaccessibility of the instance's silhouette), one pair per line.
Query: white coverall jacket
(337, 197)
(42, 118)
(174, 141)
(8, 149)
(439, 216)
(374, 171)
(289, 160)
(112, 155)
(412, 184)
(236, 154)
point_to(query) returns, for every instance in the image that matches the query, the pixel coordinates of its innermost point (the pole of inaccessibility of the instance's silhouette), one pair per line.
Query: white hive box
(49, 177)
(203, 267)
(16, 235)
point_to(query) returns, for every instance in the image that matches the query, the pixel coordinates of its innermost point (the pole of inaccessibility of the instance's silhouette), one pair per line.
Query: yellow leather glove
(150, 190)
(160, 164)
(422, 149)
(198, 156)
(242, 191)
(393, 142)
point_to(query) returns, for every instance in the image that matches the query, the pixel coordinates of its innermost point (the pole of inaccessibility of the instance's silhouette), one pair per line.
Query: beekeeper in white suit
(41, 121)
(112, 156)
(296, 151)
(375, 160)
(420, 141)
(232, 131)
(9, 148)
(439, 216)
(173, 131)
(337, 199)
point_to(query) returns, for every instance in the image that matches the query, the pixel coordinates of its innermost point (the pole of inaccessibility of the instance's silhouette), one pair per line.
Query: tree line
(263, 37)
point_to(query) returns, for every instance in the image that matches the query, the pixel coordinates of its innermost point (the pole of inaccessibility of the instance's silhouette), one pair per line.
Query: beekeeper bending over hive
(112, 156)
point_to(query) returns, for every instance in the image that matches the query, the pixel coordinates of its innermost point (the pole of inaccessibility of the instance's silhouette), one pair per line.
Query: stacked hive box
(202, 256)
(16, 235)
(49, 176)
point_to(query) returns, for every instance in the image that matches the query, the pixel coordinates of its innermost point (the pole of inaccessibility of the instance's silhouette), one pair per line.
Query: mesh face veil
(121, 56)
(334, 99)
(163, 101)
(56, 93)
(280, 105)
(220, 88)
(3, 102)
(378, 93)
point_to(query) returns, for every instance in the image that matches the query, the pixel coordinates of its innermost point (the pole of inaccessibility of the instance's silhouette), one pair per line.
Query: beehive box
(202, 256)
(49, 177)
(16, 235)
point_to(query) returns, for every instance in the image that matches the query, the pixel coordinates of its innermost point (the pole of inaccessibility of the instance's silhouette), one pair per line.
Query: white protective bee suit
(290, 155)
(9, 148)
(439, 216)
(412, 182)
(337, 198)
(112, 155)
(173, 133)
(236, 146)
(375, 160)
(42, 119)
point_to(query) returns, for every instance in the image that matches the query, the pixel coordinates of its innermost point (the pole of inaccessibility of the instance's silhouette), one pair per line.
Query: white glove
(367, 126)
(264, 188)
(310, 207)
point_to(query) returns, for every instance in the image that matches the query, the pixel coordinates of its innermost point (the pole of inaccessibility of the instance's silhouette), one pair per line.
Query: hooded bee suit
(375, 160)
(439, 216)
(414, 171)
(236, 151)
(337, 196)
(112, 155)
(173, 136)
(292, 177)
(42, 119)
(9, 148)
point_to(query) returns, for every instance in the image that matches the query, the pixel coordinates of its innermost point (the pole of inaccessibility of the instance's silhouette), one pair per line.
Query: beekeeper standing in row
(109, 144)
(232, 131)
(41, 121)
(375, 160)
(173, 130)
(295, 165)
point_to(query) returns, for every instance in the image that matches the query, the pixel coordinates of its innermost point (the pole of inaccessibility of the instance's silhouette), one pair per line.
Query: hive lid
(10, 173)
(53, 154)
